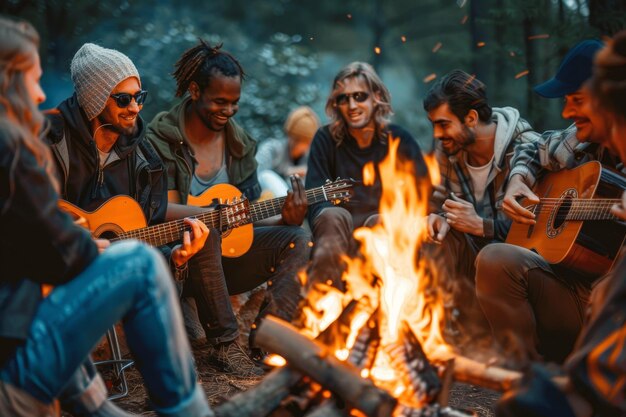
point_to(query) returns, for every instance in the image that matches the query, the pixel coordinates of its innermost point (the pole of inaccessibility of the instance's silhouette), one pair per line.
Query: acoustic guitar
(575, 227)
(121, 217)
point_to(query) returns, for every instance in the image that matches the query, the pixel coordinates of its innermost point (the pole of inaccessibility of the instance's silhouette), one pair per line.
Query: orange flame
(389, 276)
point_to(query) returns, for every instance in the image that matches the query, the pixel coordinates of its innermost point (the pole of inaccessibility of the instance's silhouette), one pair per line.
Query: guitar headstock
(338, 191)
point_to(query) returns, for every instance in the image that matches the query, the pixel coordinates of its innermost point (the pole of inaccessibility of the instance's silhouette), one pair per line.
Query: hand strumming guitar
(516, 189)
(296, 204)
(190, 245)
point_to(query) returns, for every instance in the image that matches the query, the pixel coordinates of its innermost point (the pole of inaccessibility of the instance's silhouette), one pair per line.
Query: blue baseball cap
(575, 69)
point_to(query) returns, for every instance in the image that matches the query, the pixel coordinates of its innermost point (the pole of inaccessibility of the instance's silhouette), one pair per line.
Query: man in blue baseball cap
(520, 293)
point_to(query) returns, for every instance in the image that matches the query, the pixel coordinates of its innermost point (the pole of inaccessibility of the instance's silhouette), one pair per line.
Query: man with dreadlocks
(202, 146)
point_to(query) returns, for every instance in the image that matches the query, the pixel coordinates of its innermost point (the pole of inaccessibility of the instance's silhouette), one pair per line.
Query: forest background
(291, 49)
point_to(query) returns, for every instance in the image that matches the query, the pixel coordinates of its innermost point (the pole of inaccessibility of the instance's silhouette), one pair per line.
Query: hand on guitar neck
(516, 190)
(620, 209)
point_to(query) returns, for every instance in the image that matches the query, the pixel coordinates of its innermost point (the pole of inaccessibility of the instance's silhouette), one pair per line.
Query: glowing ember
(275, 360)
(542, 36)
(403, 38)
(377, 50)
(521, 74)
(437, 47)
(464, 19)
(429, 78)
(480, 44)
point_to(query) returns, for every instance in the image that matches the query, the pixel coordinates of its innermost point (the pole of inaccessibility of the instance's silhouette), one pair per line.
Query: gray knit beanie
(95, 73)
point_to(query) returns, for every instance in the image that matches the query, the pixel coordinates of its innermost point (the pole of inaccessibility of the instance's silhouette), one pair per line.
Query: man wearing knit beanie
(280, 158)
(97, 139)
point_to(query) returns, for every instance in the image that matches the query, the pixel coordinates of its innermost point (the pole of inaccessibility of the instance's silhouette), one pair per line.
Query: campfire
(377, 349)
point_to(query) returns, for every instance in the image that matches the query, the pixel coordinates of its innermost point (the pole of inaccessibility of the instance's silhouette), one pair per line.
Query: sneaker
(231, 357)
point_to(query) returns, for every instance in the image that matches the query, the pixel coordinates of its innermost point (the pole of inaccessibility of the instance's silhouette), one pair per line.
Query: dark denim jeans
(128, 282)
(276, 255)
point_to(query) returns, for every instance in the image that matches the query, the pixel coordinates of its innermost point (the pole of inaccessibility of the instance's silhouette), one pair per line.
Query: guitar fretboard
(578, 209)
(221, 219)
(270, 208)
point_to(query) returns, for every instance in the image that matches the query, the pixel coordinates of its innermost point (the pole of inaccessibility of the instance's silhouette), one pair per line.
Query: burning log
(408, 357)
(315, 360)
(264, 398)
(363, 353)
(327, 409)
(477, 373)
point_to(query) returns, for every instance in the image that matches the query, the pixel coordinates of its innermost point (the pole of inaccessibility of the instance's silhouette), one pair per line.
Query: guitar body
(235, 242)
(117, 215)
(589, 247)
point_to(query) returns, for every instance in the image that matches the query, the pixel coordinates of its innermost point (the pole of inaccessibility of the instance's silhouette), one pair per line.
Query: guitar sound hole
(561, 214)
(109, 234)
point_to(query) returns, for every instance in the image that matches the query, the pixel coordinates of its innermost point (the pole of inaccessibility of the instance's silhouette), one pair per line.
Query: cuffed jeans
(128, 282)
(521, 295)
(276, 255)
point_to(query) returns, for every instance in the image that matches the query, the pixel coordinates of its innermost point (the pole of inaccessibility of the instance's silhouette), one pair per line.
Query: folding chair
(118, 366)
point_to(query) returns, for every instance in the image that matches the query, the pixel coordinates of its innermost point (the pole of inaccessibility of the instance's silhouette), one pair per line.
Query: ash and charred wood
(328, 409)
(363, 353)
(408, 357)
(477, 373)
(313, 359)
(433, 410)
(263, 398)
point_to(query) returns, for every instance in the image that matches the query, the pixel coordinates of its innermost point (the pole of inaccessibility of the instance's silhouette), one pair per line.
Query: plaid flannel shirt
(495, 223)
(557, 150)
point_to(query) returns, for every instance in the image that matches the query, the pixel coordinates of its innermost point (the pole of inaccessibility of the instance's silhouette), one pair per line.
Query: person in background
(278, 159)
(45, 342)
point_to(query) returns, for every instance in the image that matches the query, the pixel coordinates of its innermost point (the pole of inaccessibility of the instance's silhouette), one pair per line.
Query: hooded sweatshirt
(511, 132)
(135, 171)
(166, 133)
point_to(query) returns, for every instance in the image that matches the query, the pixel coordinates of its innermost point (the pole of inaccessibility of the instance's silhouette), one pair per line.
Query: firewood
(473, 372)
(263, 398)
(363, 353)
(408, 357)
(328, 409)
(432, 410)
(315, 360)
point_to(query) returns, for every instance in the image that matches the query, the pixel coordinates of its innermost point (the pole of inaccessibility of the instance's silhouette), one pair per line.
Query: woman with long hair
(45, 342)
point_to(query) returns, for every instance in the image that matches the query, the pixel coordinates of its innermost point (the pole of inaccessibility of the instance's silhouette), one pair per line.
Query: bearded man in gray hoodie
(474, 147)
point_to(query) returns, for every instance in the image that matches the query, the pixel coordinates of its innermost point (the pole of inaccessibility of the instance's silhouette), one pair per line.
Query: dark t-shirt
(329, 161)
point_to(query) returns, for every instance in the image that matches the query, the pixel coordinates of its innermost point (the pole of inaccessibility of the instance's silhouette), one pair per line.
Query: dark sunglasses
(124, 99)
(359, 97)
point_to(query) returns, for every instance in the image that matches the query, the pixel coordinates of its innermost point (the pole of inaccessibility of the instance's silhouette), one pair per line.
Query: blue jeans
(128, 282)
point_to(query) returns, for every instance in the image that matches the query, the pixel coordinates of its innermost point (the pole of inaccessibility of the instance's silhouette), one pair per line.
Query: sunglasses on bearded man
(359, 97)
(123, 100)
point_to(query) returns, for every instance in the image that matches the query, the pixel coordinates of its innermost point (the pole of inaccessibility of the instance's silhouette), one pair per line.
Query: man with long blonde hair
(359, 107)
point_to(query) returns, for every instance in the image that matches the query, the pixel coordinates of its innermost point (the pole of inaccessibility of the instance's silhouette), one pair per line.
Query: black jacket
(38, 242)
(329, 161)
(138, 173)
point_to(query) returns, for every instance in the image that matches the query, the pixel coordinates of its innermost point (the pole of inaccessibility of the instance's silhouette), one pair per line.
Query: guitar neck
(580, 209)
(270, 208)
(164, 233)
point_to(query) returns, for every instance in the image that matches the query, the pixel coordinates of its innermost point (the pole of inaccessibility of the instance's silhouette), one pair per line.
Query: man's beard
(128, 132)
(468, 138)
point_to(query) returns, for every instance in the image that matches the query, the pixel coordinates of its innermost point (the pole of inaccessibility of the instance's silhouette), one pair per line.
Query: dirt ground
(219, 387)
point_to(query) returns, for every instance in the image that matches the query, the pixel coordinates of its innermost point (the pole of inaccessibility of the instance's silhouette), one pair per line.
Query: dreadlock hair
(380, 94)
(20, 119)
(462, 92)
(201, 62)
